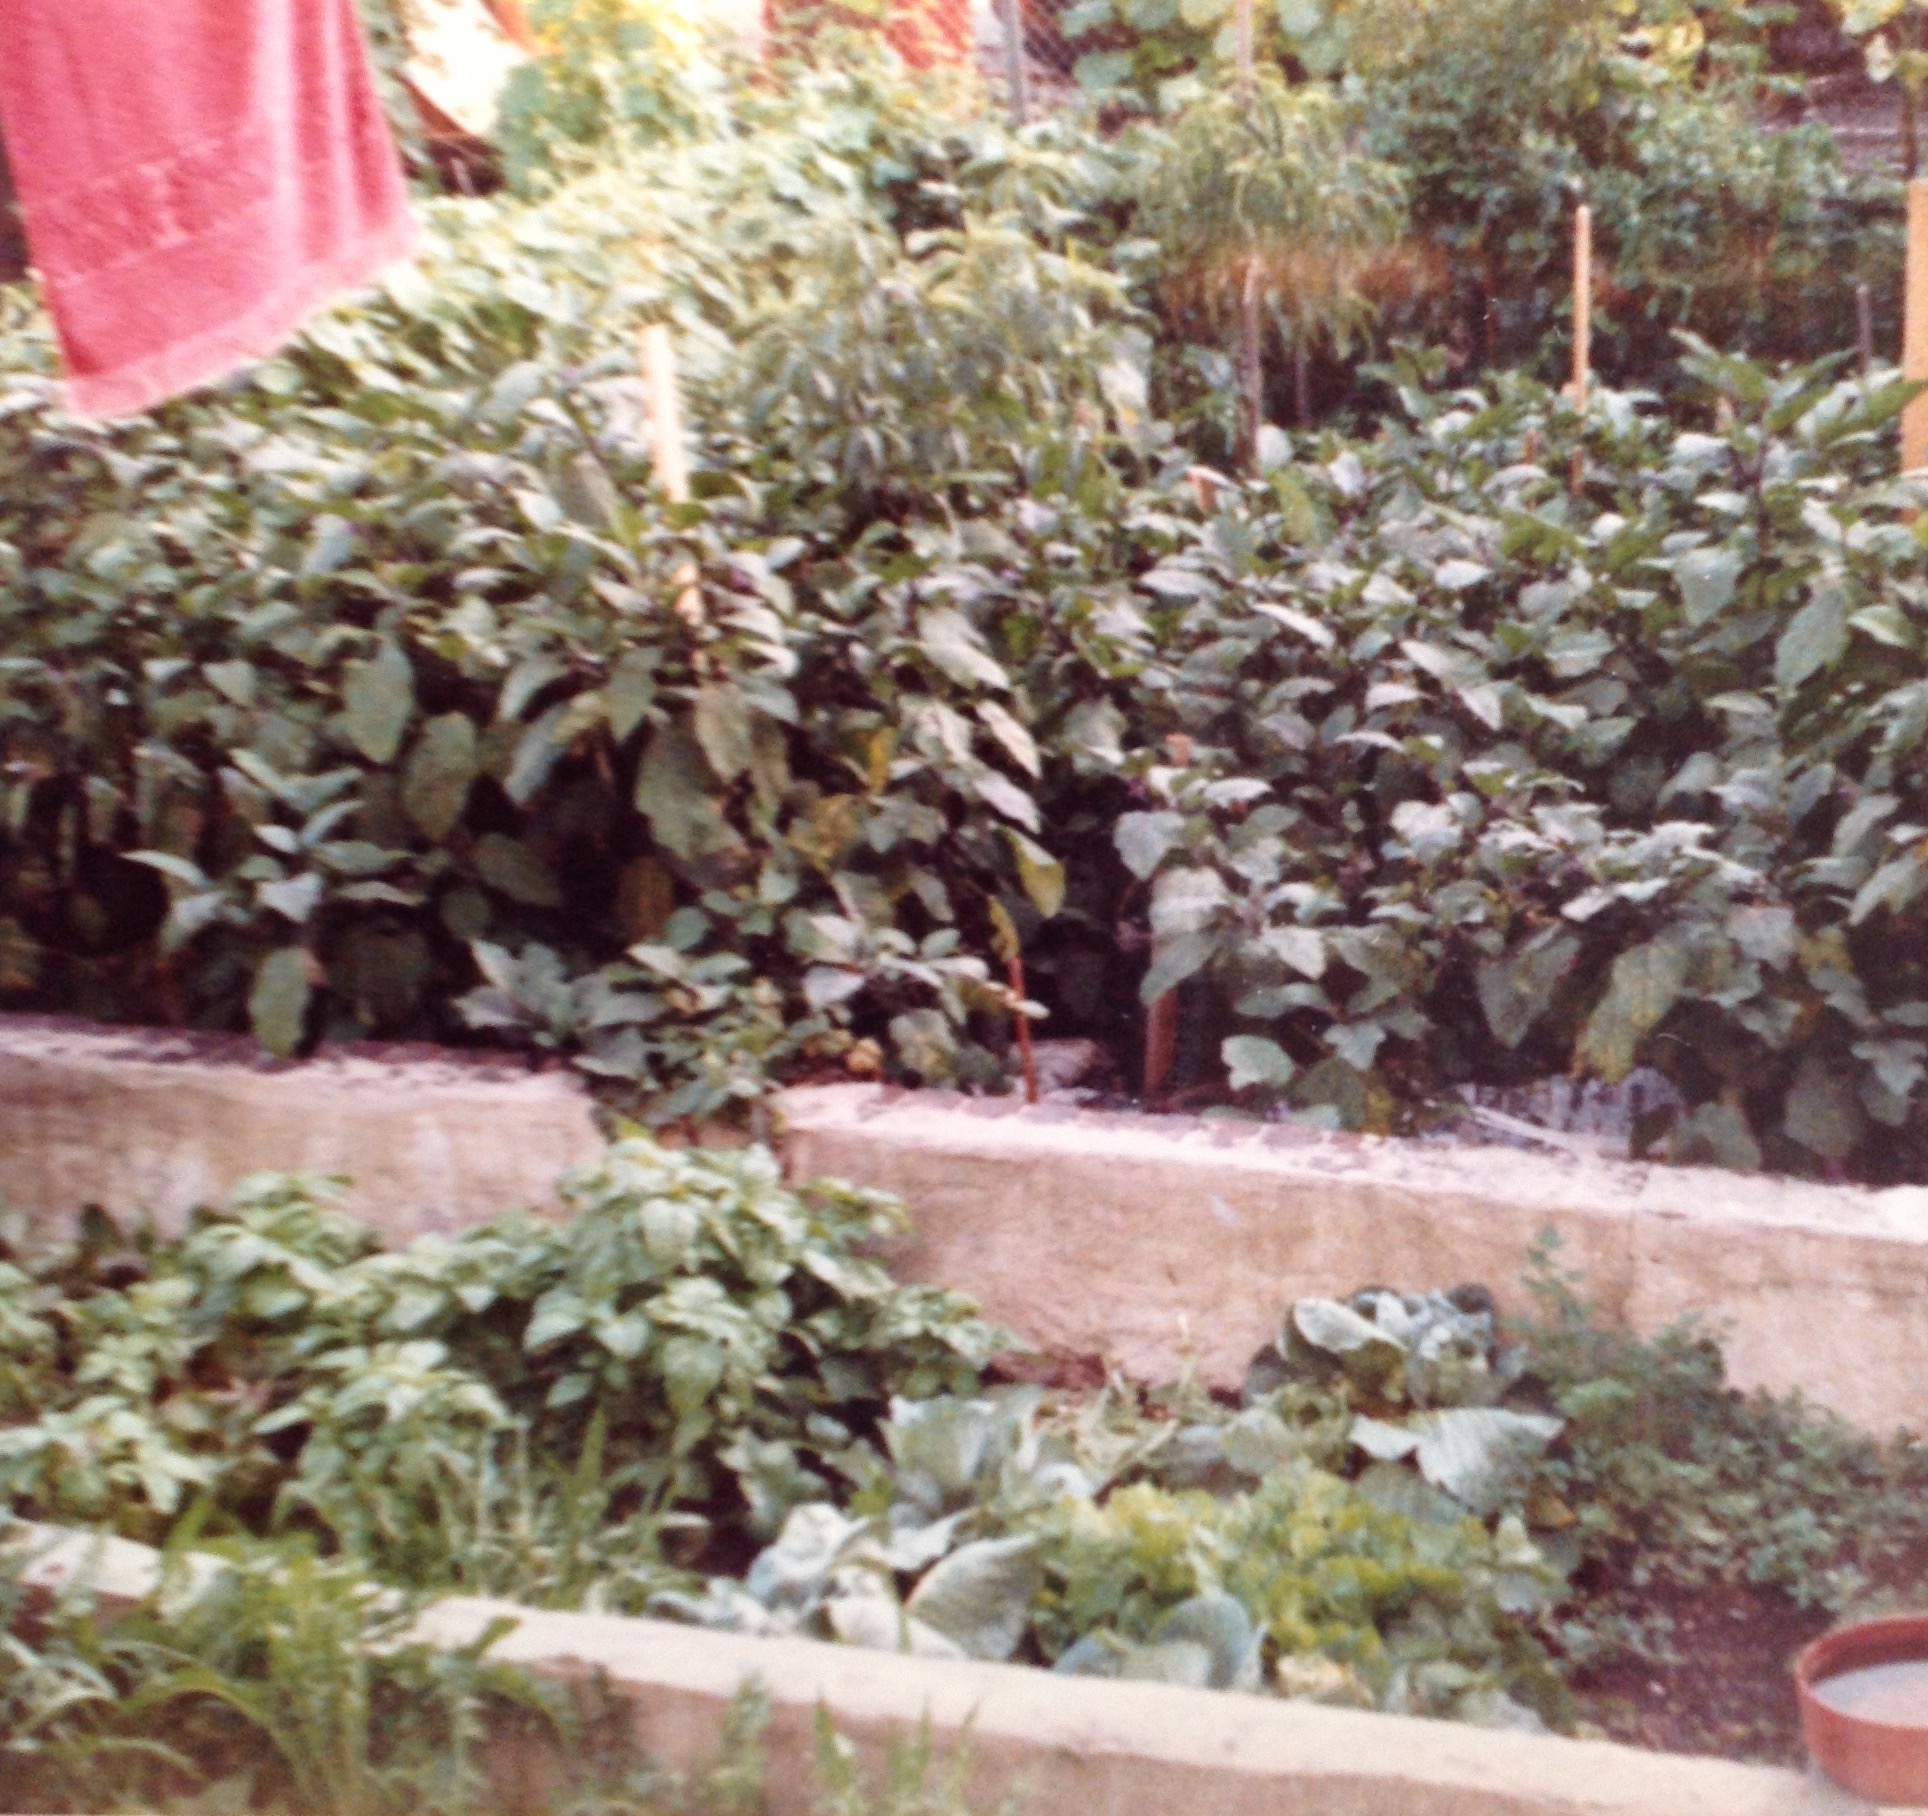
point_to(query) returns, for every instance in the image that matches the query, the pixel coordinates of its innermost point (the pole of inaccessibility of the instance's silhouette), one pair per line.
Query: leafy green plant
(517, 1409)
(1261, 208)
(612, 73)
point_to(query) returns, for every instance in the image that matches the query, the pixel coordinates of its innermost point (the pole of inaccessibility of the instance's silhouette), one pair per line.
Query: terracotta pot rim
(1883, 1760)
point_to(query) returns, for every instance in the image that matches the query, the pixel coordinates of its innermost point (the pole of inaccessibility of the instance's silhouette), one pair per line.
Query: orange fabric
(924, 33)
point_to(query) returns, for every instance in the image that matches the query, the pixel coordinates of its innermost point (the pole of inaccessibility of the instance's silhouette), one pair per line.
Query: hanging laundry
(195, 178)
(13, 237)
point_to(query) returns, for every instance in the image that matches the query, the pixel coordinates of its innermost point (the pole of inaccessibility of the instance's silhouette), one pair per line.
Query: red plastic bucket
(1884, 1760)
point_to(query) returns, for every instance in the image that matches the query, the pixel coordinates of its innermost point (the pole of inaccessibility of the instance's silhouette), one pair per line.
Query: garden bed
(698, 1398)
(1134, 1749)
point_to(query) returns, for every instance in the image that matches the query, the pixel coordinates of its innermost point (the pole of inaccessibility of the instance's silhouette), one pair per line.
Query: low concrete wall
(1150, 1240)
(142, 1120)
(1146, 1240)
(1063, 1744)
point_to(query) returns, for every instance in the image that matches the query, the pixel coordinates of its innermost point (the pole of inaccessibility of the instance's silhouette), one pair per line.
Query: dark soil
(1731, 1689)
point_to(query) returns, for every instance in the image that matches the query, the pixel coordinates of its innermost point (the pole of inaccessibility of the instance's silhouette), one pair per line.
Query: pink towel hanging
(196, 176)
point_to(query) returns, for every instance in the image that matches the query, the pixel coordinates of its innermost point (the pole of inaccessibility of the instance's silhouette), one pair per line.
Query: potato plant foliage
(698, 1399)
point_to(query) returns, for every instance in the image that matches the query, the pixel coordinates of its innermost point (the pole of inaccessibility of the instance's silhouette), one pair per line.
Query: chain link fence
(1025, 54)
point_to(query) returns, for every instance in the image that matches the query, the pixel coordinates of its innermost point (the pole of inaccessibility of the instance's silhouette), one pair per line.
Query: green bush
(372, 688)
(516, 1408)
(614, 74)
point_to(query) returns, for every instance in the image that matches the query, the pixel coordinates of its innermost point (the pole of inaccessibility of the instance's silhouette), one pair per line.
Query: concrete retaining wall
(1150, 1240)
(141, 1120)
(1065, 1744)
(1147, 1241)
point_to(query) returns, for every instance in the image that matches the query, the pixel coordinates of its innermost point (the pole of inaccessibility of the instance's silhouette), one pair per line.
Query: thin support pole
(1243, 17)
(667, 452)
(1011, 24)
(1914, 339)
(1582, 328)
(1302, 382)
(1251, 359)
(1864, 326)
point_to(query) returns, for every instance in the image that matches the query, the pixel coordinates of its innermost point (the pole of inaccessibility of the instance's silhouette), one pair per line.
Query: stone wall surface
(150, 1121)
(1150, 1242)
(1153, 1241)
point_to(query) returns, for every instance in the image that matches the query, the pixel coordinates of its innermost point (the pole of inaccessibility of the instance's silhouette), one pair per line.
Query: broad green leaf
(1010, 733)
(278, 1000)
(511, 868)
(1219, 1623)
(1472, 1451)
(979, 1598)
(947, 637)
(1251, 1059)
(378, 699)
(674, 790)
(1143, 839)
(1175, 961)
(1040, 873)
(1516, 988)
(926, 1043)
(1645, 985)
(1300, 18)
(1816, 636)
(1190, 900)
(1326, 1324)
(721, 720)
(1102, 72)
(235, 679)
(331, 544)
(1707, 578)
(1715, 1134)
(441, 769)
(631, 691)
(1823, 1113)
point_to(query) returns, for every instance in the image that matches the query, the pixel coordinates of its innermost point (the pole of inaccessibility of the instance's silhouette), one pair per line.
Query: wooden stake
(1864, 326)
(1251, 361)
(1582, 326)
(1302, 383)
(1011, 23)
(1914, 341)
(667, 452)
(665, 415)
(1243, 16)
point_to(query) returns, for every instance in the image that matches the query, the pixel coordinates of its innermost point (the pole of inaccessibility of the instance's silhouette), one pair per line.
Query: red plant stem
(1014, 969)
(1161, 1043)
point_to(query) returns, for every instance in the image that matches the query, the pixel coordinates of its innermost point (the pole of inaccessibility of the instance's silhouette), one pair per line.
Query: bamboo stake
(1864, 326)
(668, 454)
(1161, 1018)
(1251, 360)
(1914, 343)
(1010, 22)
(1250, 322)
(1582, 327)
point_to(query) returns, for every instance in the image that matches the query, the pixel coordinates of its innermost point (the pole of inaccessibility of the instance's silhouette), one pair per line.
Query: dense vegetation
(698, 1400)
(368, 695)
